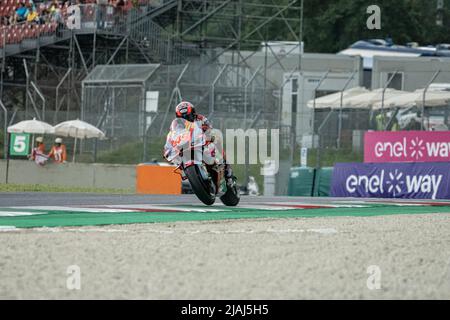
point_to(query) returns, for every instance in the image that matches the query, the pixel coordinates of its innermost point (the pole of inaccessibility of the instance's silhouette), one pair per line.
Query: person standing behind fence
(118, 10)
(101, 13)
(58, 152)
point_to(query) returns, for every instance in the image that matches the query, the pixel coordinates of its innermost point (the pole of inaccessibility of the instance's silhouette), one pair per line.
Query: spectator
(31, 3)
(101, 13)
(58, 152)
(53, 6)
(56, 16)
(38, 153)
(119, 6)
(21, 13)
(33, 16)
(44, 13)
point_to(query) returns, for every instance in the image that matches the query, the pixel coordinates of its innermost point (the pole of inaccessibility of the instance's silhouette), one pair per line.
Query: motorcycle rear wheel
(202, 189)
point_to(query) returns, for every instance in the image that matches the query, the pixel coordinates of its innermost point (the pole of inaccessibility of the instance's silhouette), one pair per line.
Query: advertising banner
(391, 180)
(407, 146)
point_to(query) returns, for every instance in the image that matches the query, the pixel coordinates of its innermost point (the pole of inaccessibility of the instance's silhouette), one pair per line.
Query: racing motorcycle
(200, 160)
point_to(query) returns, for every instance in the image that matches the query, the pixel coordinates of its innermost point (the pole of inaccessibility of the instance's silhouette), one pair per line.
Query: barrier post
(384, 90)
(422, 122)
(5, 123)
(338, 142)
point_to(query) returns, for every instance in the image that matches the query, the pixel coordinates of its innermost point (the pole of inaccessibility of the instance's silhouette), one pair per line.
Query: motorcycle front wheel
(231, 197)
(203, 189)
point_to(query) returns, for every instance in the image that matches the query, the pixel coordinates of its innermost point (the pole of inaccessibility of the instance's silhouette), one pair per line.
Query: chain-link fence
(118, 99)
(339, 133)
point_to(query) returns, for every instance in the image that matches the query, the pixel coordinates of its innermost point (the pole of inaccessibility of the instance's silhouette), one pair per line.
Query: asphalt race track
(173, 247)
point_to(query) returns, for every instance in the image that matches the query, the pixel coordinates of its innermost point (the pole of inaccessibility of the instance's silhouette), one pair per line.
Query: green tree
(333, 25)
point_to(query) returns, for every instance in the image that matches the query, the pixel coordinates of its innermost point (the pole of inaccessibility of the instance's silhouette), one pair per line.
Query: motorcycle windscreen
(183, 135)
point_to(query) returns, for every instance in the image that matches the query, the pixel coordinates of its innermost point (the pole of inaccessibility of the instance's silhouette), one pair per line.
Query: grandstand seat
(41, 29)
(29, 32)
(10, 37)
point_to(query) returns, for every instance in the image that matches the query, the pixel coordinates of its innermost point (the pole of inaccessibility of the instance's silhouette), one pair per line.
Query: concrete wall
(417, 72)
(70, 174)
(311, 62)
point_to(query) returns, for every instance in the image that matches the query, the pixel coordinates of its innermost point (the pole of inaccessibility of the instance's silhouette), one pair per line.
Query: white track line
(19, 213)
(7, 228)
(74, 209)
(161, 207)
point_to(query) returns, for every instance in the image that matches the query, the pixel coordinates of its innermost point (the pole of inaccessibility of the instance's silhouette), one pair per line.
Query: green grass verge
(74, 218)
(48, 188)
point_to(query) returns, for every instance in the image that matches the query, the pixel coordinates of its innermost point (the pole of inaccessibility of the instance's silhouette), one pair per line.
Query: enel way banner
(391, 180)
(407, 146)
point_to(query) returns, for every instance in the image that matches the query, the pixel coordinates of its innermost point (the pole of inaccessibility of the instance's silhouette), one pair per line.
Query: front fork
(209, 168)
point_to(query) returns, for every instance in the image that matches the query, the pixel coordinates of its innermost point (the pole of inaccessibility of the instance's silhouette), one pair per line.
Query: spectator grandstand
(49, 15)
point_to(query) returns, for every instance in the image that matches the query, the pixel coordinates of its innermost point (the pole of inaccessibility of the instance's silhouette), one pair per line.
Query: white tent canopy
(333, 100)
(369, 99)
(411, 99)
(403, 100)
(432, 98)
(361, 98)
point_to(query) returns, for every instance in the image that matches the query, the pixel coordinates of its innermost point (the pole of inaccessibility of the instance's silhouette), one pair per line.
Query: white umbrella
(79, 130)
(333, 100)
(28, 126)
(31, 126)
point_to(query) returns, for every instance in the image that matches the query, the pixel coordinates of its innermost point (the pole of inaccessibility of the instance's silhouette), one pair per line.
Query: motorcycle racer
(187, 111)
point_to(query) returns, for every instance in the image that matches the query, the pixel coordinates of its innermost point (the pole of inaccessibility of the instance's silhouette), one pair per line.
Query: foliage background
(333, 25)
